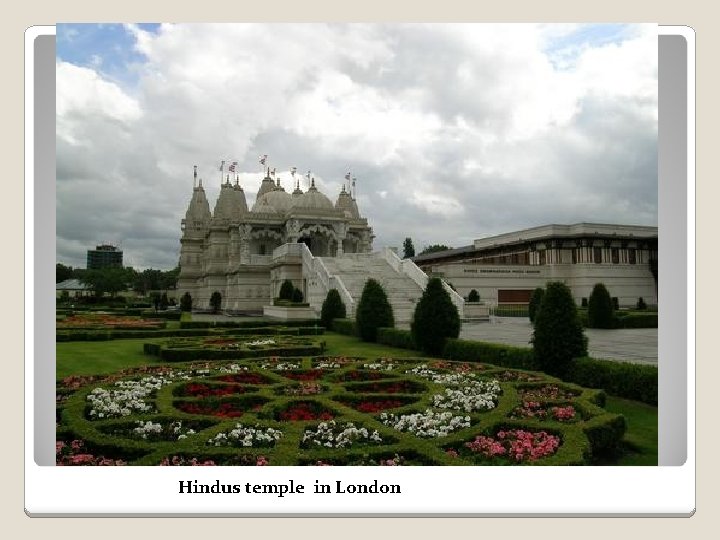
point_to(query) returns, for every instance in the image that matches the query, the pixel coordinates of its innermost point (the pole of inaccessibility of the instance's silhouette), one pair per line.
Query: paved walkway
(638, 345)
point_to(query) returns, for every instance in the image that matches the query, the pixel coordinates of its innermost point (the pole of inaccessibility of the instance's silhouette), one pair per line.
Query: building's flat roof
(545, 232)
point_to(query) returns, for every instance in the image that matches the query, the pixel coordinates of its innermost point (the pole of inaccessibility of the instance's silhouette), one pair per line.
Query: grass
(104, 357)
(99, 357)
(641, 437)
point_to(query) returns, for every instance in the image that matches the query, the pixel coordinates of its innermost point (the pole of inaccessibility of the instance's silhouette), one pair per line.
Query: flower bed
(513, 445)
(304, 375)
(245, 378)
(475, 396)
(304, 411)
(426, 424)
(542, 411)
(372, 405)
(410, 412)
(224, 408)
(98, 321)
(301, 389)
(547, 392)
(157, 430)
(220, 348)
(387, 387)
(197, 389)
(246, 436)
(335, 435)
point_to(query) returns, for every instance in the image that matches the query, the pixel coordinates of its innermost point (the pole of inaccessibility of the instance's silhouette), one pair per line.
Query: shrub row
(106, 335)
(626, 320)
(638, 382)
(246, 324)
(169, 315)
(644, 320)
(190, 355)
(344, 326)
(631, 381)
(394, 337)
(492, 353)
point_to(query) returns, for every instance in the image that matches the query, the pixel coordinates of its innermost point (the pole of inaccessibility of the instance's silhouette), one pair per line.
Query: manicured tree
(535, 302)
(297, 296)
(408, 249)
(616, 303)
(286, 290)
(558, 336)
(600, 308)
(373, 311)
(641, 304)
(164, 302)
(215, 301)
(436, 319)
(332, 308)
(473, 296)
(584, 302)
(186, 302)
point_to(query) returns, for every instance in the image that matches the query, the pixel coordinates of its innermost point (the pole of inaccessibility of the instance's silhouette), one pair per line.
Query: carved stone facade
(230, 250)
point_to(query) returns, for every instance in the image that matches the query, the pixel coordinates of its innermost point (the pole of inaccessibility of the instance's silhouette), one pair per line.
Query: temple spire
(194, 176)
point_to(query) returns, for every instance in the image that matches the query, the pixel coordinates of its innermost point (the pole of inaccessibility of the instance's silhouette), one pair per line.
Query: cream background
(700, 16)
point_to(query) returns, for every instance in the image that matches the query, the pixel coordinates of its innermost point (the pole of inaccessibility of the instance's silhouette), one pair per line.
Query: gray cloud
(453, 132)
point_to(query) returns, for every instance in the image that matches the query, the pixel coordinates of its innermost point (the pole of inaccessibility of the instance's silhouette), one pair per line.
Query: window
(262, 249)
(574, 256)
(597, 255)
(615, 256)
(632, 257)
(543, 256)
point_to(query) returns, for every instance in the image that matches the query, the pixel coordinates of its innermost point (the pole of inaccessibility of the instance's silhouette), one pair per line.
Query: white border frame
(426, 491)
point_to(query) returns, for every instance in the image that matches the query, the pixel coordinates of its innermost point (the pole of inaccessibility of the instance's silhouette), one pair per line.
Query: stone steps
(355, 269)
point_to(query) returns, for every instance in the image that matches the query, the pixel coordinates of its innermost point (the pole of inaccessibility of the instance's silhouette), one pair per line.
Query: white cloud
(452, 130)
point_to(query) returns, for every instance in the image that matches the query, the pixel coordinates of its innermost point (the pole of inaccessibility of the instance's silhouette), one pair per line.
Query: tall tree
(216, 301)
(106, 280)
(62, 272)
(558, 337)
(434, 248)
(373, 311)
(436, 319)
(408, 249)
(601, 311)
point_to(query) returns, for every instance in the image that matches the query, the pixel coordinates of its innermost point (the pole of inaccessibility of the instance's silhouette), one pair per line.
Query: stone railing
(315, 267)
(288, 250)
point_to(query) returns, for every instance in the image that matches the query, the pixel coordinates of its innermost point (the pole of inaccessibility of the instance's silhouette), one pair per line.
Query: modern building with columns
(506, 268)
(230, 249)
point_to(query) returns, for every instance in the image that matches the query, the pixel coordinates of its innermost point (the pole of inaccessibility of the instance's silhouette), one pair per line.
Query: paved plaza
(629, 345)
(638, 345)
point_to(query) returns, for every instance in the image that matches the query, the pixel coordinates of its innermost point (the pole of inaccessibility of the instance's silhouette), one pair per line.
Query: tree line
(112, 280)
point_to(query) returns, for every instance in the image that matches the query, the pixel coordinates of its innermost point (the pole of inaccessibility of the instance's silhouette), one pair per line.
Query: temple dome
(276, 201)
(312, 199)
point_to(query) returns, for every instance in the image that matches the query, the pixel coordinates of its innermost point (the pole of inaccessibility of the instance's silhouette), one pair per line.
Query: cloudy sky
(454, 132)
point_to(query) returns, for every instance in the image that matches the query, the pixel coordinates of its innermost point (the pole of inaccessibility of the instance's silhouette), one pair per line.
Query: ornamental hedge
(435, 320)
(373, 311)
(307, 411)
(332, 308)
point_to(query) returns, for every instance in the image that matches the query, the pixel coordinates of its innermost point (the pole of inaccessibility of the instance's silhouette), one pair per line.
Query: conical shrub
(558, 337)
(332, 308)
(436, 319)
(373, 311)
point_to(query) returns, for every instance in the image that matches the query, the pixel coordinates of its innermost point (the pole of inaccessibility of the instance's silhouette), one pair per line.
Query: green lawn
(641, 438)
(102, 357)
